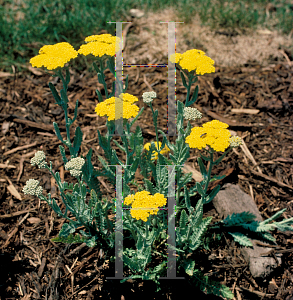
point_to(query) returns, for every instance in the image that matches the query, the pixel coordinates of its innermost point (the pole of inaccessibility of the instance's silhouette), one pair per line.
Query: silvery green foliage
(92, 213)
(86, 214)
(192, 226)
(242, 239)
(208, 286)
(245, 221)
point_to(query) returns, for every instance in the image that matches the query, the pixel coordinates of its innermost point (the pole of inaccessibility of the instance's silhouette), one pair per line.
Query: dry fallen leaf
(34, 220)
(14, 192)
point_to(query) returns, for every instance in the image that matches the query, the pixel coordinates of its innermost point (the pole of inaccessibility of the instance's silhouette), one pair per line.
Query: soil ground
(33, 267)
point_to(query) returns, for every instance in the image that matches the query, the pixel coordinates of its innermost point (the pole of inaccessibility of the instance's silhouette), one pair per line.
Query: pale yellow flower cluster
(194, 60)
(143, 204)
(99, 45)
(107, 107)
(54, 56)
(155, 154)
(213, 134)
(235, 141)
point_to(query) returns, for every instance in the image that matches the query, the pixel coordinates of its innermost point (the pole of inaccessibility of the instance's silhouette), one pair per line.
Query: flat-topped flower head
(176, 57)
(107, 107)
(99, 45)
(194, 60)
(213, 134)
(74, 166)
(148, 96)
(39, 160)
(191, 113)
(32, 188)
(155, 154)
(235, 141)
(143, 204)
(54, 56)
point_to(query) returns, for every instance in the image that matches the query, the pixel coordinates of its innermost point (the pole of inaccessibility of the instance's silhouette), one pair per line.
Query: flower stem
(156, 127)
(209, 171)
(59, 73)
(101, 63)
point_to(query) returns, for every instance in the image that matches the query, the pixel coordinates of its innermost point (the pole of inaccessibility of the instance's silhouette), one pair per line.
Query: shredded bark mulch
(33, 267)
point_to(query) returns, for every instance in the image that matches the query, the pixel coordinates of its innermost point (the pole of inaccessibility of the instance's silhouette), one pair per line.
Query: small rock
(137, 13)
(260, 266)
(233, 200)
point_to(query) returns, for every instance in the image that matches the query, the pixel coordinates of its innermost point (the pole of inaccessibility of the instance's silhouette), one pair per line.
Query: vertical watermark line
(171, 264)
(171, 270)
(171, 113)
(118, 83)
(118, 226)
(119, 130)
(171, 81)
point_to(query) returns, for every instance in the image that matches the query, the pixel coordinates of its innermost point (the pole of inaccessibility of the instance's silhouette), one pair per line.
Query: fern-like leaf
(71, 239)
(236, 219)
(183, 221)
(242, 239)
(209, 286)
(196, 238)
(267, 236)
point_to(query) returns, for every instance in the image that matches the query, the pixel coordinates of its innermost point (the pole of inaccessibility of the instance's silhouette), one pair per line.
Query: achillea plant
(144, 220)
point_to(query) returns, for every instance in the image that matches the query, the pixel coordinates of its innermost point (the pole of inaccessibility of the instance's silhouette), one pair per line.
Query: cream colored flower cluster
(143, 204)
(32, 188)
(235, 141)
(148, 96)
(191, 113)
(75, 165)
(39, 160)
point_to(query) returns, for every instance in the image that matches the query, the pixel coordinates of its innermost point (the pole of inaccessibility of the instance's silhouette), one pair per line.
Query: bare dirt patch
(147, 38)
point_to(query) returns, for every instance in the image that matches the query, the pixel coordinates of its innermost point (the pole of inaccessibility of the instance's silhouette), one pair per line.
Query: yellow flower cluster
(213, 133)
(107, 107)
(194, 60)
(155, 154)
(54, 56)
(143, 204)
(99, 45)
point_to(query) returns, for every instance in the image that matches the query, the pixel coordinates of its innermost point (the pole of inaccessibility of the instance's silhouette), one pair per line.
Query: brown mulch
(33, 267)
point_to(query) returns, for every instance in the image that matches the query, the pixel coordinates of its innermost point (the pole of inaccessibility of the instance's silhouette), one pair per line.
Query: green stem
(209, 171)
(59, 73)
(101, 63)
(178, 192)
(64, 201)
(188, 89)
(156, 127)
(191, 76)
